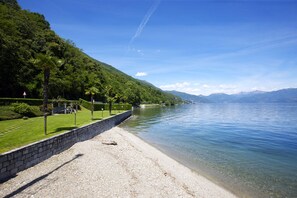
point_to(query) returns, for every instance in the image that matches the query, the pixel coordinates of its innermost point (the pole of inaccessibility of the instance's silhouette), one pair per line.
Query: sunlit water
(250, 149)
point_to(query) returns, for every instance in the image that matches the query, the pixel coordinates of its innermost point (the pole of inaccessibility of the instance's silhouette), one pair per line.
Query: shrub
(49, 108)
(36, 111)
(31, 101)
(98, 107)
(25, 109)
(7, 114)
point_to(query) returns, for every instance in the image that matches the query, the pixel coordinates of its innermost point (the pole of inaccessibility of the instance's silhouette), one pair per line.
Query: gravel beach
(113, 164)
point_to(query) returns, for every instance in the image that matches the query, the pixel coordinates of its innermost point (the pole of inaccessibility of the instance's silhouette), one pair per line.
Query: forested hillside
(28, 46)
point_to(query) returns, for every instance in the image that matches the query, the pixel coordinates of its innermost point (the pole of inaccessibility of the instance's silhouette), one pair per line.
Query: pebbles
(113, 164)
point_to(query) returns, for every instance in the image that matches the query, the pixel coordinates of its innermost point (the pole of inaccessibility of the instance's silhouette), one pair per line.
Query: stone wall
(25, 157)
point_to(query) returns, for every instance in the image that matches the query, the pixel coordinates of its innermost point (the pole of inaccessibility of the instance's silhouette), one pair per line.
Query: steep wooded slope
(26, 36)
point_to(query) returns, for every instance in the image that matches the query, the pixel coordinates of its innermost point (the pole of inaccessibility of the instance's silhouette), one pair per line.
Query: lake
(250, 149)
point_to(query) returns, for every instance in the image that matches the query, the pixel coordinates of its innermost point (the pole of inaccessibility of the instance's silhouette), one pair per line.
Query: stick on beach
(127, 167)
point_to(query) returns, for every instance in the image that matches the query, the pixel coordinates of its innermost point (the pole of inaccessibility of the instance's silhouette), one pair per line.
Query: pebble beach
(115, 163)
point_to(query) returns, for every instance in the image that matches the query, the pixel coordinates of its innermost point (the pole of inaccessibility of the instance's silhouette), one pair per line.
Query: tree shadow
(40, 178)
(96, 118)
(63, 129)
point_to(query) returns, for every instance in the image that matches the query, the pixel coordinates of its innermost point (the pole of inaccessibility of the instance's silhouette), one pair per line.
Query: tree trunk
(110, 107)
(45, 96)
(92, 108)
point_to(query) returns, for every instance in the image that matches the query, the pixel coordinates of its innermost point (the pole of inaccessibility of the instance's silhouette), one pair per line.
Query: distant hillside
(26, 41)
(227, 98)
(189, 98)
(280, 96)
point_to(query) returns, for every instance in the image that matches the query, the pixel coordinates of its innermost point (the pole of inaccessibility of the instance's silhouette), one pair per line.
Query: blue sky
(194, 46)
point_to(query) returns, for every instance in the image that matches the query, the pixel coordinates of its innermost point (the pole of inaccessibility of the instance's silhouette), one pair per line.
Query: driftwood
(109, 142)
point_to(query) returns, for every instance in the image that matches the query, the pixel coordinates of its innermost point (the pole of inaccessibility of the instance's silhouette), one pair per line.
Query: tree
(132, 93)
(12, 3)
(45, 62)
(92, 91)
(110, 97)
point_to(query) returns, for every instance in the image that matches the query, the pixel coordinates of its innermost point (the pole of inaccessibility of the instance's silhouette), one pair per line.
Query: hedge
(30, 101)
(104, 106)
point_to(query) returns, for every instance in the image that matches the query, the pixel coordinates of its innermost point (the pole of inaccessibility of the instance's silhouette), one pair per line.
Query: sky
(193, 46)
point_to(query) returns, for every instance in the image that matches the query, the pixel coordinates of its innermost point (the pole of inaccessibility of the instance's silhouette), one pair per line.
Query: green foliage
(91, 91)
(28, 46)
(86, 104)
(6, 113)
(31, 101)
(26, 110)
(12, 3)
(104, 106)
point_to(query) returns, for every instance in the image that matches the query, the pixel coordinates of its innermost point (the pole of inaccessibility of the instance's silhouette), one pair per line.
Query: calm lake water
(250, 149)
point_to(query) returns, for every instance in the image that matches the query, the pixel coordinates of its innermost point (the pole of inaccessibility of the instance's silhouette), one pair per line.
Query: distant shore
(98, 168)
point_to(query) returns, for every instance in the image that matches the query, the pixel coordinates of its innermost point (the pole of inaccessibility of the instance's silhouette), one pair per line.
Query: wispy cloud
(140, 74)
(145, 20)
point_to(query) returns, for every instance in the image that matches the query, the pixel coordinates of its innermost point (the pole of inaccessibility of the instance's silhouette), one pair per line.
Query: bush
(36, 111)
(7, 114)
(49, 108)
(25, 109)
(31, 101)
(104, 106)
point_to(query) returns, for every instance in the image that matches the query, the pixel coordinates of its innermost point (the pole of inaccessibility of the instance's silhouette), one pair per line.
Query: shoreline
(132, 168)
(198, 170)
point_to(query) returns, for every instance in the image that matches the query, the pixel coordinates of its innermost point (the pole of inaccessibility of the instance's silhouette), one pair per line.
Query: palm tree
(46, 63)
(110, 97)
(92, 91)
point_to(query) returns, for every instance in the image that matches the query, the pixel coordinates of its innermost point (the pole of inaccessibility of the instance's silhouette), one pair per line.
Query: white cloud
(140, 74)
(176, 86)
(199, 88)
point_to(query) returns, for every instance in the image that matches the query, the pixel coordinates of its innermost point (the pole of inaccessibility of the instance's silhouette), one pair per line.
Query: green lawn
(19, 132)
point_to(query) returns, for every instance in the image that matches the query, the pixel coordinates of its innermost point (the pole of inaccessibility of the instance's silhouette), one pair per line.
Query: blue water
(250, 149)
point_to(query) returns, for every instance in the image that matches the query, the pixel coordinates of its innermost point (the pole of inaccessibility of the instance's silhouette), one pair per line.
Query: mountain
(220, 98)
(227, 98)
(189, 98)
(28, 46)
(280, 96)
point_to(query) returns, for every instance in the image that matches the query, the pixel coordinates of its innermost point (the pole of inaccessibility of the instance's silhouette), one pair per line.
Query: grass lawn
(19, 132)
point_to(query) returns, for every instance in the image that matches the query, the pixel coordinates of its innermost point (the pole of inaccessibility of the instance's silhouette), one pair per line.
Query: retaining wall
(25, 157)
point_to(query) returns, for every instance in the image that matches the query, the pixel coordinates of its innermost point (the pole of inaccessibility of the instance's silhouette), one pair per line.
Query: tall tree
(110, 97)
(45, 62)
(92, 91)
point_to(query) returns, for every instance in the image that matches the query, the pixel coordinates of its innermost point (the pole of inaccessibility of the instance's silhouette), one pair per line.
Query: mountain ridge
(288, 95)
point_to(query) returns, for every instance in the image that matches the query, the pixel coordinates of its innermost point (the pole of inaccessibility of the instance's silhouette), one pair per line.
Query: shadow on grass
(97, 119)
(40, 178)
(63, 129)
